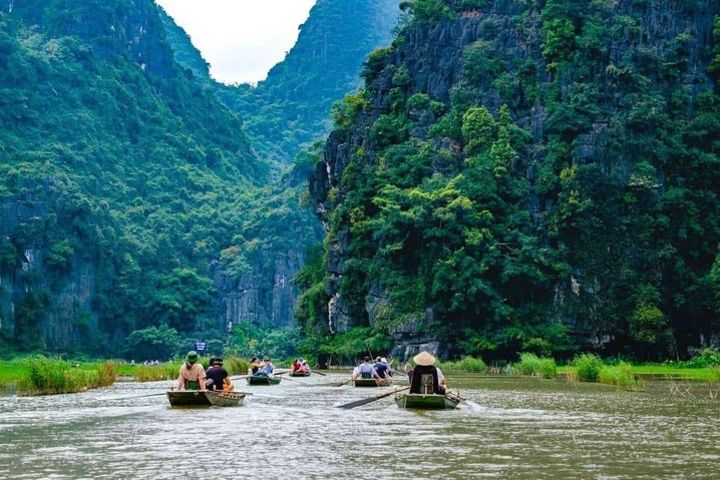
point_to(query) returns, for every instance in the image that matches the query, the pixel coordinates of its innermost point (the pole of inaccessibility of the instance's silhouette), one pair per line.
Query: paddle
(343, 383)
(365, 401)
(157, 395)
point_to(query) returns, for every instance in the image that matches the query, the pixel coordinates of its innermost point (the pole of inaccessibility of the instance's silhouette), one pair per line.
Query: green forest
(551, 187)
(517, 176)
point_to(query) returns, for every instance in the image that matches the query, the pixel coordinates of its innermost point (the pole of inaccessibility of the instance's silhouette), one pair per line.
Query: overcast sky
(240, 39)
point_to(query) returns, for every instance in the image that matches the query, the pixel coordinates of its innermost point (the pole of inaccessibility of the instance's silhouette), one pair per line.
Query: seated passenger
(254, 366)
(267, 369)
(381, 368)
(365, 370)
(218, 375)
(426, 378)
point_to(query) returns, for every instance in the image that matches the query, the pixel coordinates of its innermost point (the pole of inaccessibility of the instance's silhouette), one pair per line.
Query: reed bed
(531, 364)
(51, 376)
(466, 365)
(622, 376)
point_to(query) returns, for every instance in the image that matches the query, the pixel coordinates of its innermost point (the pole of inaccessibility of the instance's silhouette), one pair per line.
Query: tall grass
(531, 364)
(236, 365)
(620, 375)
(156, 373)
(466, 364)
(588, 366)
(49, 376)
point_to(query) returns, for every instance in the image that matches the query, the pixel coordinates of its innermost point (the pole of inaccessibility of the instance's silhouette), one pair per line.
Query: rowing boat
(225, 399)
(196, 398)
(300, 374)
(427, 402)
(370, 382)
(188, 398)
(252, 380)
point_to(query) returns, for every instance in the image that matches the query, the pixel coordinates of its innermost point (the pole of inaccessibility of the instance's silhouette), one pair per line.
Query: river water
(519, 428)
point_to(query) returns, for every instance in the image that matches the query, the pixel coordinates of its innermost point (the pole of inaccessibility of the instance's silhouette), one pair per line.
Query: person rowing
(426, 378)
(192, 374)
(218, 378)
(365, 370)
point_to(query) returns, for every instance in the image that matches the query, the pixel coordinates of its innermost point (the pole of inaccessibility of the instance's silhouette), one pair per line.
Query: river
(519, 428)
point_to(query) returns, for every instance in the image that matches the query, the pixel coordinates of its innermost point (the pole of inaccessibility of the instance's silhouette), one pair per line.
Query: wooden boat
(299, 374)
(252, 380)
(427, 402)
(196, 398)
(188, 398)
(370, 382)
(220, 399)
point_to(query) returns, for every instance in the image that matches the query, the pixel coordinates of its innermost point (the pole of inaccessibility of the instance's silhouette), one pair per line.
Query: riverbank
(39, 375)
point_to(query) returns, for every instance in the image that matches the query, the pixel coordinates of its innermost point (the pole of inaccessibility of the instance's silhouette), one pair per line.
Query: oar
(365, 401)
(156, 395)
(131, 398)
(470, 403)
(343, 383)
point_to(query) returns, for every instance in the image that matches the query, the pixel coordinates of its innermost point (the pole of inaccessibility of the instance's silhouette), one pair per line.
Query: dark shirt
(218, 376)
(382, 370)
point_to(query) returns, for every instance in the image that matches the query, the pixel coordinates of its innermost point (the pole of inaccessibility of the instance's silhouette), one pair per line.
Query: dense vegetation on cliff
(120, 178)
(528, 176)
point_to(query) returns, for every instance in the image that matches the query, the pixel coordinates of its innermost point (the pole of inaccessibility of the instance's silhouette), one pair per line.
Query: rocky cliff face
(578, 95)
(110, 157)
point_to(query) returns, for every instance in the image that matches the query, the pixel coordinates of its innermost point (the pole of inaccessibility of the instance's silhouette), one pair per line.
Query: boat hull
(369, 382)
(299, 374)
(188, 398)
(426, 402)
(263, 381)
(220, 399)
(196, 398)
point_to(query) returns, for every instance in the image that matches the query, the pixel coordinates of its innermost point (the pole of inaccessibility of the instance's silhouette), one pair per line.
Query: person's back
(425, 380)
(366, 370)
(218, 375)
(382, 370)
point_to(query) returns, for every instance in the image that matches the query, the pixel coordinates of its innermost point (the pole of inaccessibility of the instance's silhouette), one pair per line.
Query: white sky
(240, 39)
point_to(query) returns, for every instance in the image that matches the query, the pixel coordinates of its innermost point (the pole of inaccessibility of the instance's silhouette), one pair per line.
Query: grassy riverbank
(40, 375)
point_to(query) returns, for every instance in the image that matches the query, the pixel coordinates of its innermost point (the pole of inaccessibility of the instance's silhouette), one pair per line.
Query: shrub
(467, 364)
(236, 365)
(547, 368)
(708, 357)
(588, 367)
(531, 364)
(620, 375)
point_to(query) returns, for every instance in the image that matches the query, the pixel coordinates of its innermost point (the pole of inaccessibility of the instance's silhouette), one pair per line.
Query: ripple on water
(521, 429)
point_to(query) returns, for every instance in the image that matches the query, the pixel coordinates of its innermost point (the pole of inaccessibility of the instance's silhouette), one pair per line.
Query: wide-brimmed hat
(191, 357)
(424, 359)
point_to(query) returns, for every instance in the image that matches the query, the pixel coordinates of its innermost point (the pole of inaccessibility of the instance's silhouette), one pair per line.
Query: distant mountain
(291, 108)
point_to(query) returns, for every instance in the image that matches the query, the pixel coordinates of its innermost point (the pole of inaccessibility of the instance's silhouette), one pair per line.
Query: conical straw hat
(424, 359)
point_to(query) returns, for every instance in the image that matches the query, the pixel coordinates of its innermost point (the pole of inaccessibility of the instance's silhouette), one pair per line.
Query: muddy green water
(521, 428)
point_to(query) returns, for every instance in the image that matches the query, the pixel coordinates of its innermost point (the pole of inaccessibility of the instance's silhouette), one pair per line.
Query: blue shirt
(381, 369)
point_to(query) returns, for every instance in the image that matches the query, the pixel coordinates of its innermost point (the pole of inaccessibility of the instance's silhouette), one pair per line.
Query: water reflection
(521, 428)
